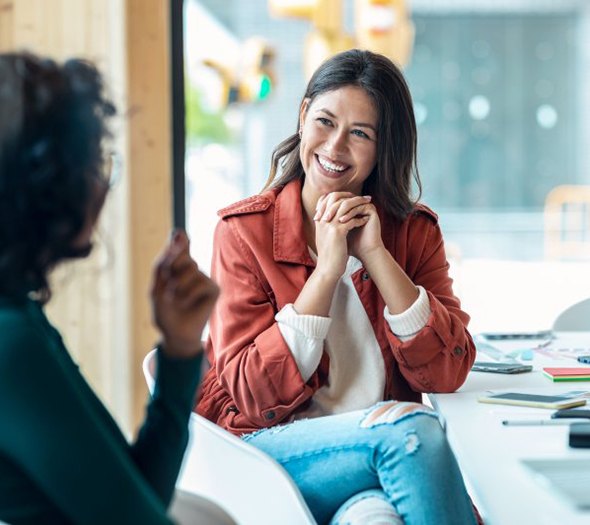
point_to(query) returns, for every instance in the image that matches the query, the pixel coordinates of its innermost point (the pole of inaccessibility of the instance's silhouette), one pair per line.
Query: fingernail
(177, 236)
(368, 197)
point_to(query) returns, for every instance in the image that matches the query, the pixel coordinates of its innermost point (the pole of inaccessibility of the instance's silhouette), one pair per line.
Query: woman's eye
(360, 133)
(325, 121)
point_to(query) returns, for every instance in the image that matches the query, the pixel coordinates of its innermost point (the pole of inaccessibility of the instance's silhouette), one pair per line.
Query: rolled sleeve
(305, 336)
(408, 323)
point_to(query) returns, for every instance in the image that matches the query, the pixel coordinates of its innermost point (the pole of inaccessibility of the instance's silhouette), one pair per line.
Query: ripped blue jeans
(398, 448)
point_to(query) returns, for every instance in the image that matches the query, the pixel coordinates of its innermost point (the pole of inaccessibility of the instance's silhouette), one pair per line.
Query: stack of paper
(567, 374)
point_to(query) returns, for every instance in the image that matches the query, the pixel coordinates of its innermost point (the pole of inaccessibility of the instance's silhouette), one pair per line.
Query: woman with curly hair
(62, 457)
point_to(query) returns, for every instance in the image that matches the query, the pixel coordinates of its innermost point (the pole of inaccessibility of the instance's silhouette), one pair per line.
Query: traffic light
(327, 37)
(255, 79)
(251, 78)
(384, 26)
(325, 15)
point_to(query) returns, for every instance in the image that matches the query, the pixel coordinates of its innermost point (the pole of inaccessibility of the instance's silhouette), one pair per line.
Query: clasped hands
(345, 224)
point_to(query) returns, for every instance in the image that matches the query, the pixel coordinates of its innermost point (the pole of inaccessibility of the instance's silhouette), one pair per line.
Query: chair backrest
(249, 484)
(575, 318)
(188, 509)
(567, 222)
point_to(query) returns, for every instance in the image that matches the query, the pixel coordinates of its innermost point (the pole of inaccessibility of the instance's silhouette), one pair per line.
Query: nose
(336, 142)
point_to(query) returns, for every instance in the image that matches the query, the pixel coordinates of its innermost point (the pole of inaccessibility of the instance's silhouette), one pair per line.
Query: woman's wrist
(372, 256)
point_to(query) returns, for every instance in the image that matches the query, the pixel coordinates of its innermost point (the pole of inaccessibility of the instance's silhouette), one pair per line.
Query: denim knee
(370, 507)
(420, 424)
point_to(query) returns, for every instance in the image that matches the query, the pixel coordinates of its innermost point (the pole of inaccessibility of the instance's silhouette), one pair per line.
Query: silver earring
(300, 133)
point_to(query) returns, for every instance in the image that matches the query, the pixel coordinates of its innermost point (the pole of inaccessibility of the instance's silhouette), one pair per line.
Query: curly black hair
(53, 128)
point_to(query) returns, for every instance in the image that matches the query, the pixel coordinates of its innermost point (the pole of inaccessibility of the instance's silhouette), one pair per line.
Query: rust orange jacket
(261, 261)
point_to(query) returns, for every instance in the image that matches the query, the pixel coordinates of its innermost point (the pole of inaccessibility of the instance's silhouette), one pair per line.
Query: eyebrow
(359, 124)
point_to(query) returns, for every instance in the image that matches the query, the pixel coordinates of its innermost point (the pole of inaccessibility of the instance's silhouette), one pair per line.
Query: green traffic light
(265, 87)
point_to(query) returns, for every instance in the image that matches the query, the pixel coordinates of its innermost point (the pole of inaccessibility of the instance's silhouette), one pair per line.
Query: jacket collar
(289, 244)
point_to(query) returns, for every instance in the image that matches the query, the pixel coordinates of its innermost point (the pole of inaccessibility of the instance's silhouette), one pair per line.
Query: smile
(331, 166)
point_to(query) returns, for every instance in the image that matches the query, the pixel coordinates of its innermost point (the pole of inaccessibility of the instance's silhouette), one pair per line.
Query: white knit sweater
(357, 374)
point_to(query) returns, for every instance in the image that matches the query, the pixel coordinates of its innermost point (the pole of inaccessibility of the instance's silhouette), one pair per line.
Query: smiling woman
(337, 310)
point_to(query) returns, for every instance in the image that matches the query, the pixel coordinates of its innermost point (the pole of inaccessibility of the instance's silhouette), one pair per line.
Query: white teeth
(329, 166)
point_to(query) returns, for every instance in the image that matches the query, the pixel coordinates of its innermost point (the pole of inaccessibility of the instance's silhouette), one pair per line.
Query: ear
(303, 112)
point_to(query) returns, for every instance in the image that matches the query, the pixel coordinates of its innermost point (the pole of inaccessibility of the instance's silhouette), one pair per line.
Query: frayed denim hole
(411, 442)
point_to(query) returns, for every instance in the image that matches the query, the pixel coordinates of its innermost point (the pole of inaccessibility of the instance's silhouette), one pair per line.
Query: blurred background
(501, 94)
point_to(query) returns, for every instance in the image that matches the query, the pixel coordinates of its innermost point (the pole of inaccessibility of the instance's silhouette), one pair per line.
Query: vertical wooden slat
(150, 155)
(6, 24)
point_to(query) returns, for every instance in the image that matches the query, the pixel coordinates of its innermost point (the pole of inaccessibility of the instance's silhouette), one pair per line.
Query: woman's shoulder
(19, 326)
(250, 205)
(421, 210)
(420, 216)
(13, 312)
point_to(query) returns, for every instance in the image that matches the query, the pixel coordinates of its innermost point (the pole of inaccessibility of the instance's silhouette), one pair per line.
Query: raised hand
(362, 242)
(332, 233)
(182, 298)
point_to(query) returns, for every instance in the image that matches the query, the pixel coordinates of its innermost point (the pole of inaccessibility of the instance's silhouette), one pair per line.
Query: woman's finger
(183, 282)
(361, 210)
(319, 208)
(331, 210)
(348, 205)
(356, 222)
(197, 293)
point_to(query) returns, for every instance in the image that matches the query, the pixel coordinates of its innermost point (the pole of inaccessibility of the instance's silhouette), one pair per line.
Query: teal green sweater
(63, 458)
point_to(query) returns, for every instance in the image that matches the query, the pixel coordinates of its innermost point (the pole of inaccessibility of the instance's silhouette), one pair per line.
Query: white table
(490, 453)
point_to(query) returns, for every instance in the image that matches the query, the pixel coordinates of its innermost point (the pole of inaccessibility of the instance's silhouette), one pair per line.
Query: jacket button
(270, 415)
(365, 276)
(457, 350)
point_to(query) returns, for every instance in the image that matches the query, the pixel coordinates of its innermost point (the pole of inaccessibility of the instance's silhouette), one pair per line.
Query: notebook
(570, 478)
(567, 373)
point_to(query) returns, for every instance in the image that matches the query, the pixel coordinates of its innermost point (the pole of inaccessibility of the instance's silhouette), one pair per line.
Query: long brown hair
(390, 183)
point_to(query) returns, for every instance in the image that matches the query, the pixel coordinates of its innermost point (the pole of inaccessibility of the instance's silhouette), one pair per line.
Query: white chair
(575, 318)
(243, 480)
(188, 509)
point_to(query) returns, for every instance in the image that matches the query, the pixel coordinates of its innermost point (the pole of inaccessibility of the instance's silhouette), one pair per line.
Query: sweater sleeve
(305, 336)
(163, 437)
(407, 324)
(62, 438)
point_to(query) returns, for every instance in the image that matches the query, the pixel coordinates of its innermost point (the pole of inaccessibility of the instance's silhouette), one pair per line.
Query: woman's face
(338, 141)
